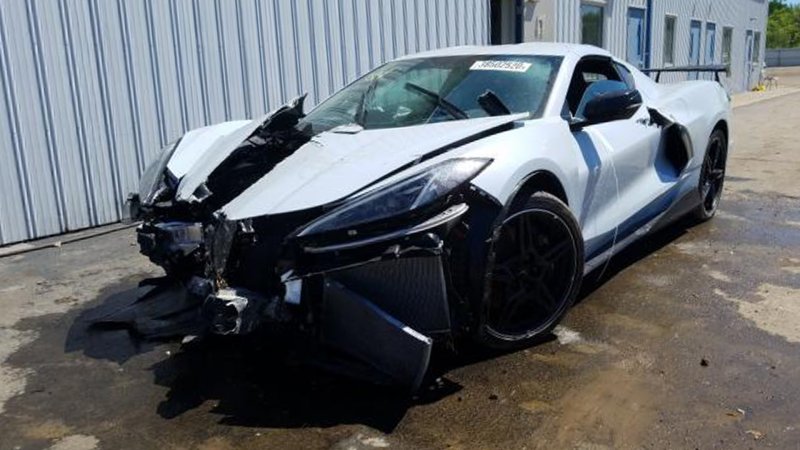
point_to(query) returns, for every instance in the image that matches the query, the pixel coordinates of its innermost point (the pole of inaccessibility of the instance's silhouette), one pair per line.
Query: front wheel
(533, 273)
(712, 176)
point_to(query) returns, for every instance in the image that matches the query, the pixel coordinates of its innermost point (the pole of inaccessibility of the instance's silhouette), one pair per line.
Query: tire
(712, 176)
(533, 274)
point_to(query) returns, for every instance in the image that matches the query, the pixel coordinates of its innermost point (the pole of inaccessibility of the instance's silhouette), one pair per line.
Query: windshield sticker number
(503, 66)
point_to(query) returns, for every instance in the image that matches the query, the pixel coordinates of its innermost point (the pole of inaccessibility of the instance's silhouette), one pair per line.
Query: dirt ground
(691, 340)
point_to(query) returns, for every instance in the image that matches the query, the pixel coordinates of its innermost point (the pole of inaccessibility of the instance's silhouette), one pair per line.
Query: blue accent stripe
(602, 243)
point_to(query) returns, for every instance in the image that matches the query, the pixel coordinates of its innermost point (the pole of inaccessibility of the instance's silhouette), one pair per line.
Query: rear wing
(715, 69)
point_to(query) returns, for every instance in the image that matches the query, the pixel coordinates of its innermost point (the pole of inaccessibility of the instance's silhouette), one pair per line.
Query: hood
(200, 151)
(334, 165)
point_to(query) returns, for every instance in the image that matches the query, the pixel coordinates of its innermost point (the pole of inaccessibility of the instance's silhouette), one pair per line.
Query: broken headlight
(152, 183)
(406, 196)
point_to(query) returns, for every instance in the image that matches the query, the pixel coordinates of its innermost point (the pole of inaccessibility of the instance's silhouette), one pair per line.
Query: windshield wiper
(361, 112)
(450, 108)
(492, 104)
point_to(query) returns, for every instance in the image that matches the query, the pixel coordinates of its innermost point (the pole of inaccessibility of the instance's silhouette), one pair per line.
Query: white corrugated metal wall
(741, 15)
(91, 89)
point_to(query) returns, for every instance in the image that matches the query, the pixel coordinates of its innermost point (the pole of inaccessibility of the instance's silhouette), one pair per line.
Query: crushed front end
(378, 276)
(380, 296)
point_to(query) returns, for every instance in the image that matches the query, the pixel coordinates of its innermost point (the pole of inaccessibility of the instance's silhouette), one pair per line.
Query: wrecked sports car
(453, 196)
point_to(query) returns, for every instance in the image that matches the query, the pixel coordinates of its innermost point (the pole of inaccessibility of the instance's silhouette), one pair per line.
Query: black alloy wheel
(712, 176)
(534, 272)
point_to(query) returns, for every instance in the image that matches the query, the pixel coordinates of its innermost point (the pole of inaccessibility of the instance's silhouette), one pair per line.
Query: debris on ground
(757, 435)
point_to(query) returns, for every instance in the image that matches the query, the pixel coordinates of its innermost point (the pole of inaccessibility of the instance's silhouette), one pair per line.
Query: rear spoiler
(715, 69)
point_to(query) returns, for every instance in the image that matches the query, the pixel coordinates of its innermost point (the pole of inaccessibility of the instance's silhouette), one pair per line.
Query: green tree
(783, 27)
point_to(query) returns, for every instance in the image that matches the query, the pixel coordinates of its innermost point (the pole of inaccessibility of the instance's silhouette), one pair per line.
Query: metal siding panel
(189, 63)
(14, 205)
(91, 89)
(68, 133)
(32, 116)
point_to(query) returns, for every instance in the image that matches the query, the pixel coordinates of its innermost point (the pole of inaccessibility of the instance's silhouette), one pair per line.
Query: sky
(793, 2)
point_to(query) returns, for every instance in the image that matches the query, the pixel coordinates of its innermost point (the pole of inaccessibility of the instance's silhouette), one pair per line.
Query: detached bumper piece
(356, 326)
(384, 314)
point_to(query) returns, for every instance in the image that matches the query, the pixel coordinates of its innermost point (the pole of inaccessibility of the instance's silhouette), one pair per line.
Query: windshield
(428, 90)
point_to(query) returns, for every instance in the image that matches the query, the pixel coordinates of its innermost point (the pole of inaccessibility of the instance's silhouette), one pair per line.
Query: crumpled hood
(200, 151)
(334, 165)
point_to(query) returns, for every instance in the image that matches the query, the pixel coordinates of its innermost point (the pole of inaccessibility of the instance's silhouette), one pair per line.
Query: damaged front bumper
(381, 299)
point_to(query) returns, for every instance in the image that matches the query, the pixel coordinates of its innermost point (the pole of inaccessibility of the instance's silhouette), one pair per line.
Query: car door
(636, 47)
(626, 149)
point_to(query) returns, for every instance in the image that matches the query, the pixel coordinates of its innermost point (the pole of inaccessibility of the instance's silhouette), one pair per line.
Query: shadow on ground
(266, 380)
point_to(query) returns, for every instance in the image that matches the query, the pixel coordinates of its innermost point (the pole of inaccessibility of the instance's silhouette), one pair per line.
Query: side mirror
(608, 107)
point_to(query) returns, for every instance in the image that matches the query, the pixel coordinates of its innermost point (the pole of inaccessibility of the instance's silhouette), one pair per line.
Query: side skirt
(675, 211)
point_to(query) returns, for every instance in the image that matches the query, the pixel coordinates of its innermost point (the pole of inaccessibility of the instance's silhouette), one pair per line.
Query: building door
(711, 45)
(694, 46)
(748, 59)
(636, 37)
(506, 21)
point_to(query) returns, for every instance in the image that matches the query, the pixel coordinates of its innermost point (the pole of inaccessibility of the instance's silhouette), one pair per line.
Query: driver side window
(592, 77)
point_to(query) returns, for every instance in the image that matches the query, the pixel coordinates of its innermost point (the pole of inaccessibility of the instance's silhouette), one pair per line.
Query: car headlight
(413, 193)
(152, 182)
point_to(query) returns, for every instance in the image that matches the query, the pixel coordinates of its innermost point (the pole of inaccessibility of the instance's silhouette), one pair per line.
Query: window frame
(756, 46)
(704, 54)
(671, 62)
(602, 30)
(727, 30)
(579, 70)
(625, 74)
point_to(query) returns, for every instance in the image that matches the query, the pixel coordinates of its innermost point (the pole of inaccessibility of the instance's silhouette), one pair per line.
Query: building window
(592, 25)
(669, 40)
(727, 42)
(757, 47)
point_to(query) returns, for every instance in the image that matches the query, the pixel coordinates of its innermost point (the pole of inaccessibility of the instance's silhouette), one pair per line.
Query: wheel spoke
(545, 291)
(557, 251)
(510, 308)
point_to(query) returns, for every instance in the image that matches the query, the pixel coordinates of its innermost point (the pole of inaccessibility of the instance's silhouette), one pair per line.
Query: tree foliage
(783, 27)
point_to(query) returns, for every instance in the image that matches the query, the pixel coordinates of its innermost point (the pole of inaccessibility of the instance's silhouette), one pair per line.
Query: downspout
(648, 40)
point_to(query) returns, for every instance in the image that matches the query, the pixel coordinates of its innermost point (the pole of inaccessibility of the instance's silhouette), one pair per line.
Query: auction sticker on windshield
(504, 66)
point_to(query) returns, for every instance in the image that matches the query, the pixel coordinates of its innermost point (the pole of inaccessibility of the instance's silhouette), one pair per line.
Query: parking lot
(689, 340)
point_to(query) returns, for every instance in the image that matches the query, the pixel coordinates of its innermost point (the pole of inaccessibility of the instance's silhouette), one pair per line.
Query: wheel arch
(722, 124)
(539, 181)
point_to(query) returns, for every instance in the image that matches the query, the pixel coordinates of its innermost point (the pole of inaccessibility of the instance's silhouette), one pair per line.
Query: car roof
(528, 48)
